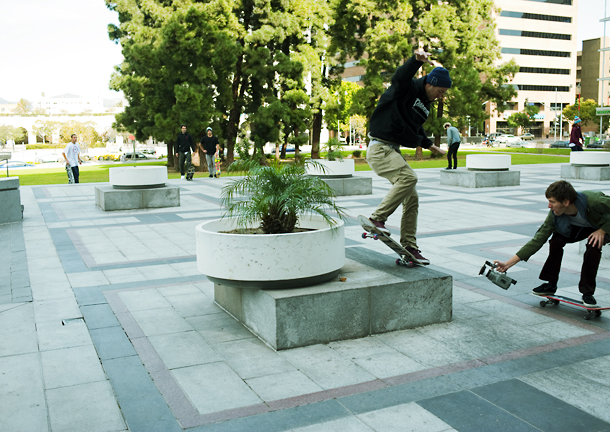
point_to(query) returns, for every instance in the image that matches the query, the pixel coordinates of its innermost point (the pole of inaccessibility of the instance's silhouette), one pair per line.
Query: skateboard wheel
(364, 235)
(588, 316)
(542, 304)
(555, 302)
(397, 261)
(376, 236)
(410, 264)
(598, 313)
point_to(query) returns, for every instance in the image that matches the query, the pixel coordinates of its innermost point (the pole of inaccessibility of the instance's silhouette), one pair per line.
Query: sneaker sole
(543, 294)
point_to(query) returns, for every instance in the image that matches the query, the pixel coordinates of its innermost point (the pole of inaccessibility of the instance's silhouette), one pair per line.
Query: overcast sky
(62, 46)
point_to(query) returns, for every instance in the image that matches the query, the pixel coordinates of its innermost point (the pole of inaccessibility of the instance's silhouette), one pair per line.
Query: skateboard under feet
(556, 299)
(406, 258)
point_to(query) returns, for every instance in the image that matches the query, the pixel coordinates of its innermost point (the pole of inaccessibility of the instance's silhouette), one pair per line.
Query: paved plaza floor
(107, 325)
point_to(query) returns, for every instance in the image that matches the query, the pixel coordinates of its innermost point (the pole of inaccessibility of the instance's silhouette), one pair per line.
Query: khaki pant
(388, 163)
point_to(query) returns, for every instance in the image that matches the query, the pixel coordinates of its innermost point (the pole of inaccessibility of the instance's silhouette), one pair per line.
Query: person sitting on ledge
(574, 216)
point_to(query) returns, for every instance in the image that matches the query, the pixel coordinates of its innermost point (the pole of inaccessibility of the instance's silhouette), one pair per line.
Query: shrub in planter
(276, 196)
(333, 150)
(357, 153)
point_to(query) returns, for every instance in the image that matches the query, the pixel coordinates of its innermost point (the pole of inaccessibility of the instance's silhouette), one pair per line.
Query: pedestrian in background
(453, 144)
(184, 145)
(576, 135)
(72, 156)
(209, 144)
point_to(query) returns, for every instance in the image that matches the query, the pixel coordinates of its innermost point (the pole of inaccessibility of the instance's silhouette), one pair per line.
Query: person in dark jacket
(185, 146)
(574, 216)
(209, 144)
(453, 144)
(398, 121)
(576, 135)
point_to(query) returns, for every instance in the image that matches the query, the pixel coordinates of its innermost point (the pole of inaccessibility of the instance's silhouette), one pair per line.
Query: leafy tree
(176, 62)
(8, 132)
(587, 112)
(461, 33)
(24, 106)
(524, 118)
(87, 135)
(45, 128)
(340, 106)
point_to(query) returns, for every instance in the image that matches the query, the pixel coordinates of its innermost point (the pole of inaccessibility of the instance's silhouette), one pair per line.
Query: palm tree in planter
(276, 231)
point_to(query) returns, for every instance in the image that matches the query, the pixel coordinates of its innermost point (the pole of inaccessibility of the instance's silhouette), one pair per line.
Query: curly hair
(561, 190)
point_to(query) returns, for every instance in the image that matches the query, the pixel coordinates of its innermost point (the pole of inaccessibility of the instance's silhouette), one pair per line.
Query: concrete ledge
(350, 185)
(140, 177)
(368, 302)
(480, 179)
(487, 162)
(583, 172)
(11, 209)
(108, 199)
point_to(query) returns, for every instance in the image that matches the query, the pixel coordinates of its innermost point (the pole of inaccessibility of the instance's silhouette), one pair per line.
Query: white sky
(62, 46)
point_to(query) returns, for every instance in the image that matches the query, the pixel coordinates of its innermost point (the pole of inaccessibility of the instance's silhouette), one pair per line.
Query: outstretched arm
(503, 266)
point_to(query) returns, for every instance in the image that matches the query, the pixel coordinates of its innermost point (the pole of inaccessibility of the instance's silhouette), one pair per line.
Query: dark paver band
(188, 417)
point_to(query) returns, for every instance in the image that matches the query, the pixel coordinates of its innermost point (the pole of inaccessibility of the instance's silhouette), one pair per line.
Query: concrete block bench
(587, 166)
(483, 171)
(368, 302)
(339, 176)
(11, 209)
(137, 187)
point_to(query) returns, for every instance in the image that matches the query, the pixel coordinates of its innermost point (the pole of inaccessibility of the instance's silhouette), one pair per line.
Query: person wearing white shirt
(72, 156)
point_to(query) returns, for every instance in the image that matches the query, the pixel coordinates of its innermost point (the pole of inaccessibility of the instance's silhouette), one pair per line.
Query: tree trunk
(419, 155)
(170, 154)
(439, 114)
(316, 130)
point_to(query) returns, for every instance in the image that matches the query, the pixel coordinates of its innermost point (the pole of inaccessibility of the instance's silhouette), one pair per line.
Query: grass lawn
(99, 173)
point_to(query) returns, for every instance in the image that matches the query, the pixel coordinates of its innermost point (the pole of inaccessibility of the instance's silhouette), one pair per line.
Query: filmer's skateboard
(70, 174)
(406, 258)
(190, 172)
(556, 299)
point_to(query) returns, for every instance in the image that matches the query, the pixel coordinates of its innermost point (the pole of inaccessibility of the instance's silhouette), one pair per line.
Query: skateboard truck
(500, 279)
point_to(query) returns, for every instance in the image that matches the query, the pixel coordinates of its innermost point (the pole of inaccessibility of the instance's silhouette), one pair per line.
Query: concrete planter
(270, 260)
(337, 168)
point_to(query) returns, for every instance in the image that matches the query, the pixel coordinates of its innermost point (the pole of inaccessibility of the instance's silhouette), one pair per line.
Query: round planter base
(277, 284)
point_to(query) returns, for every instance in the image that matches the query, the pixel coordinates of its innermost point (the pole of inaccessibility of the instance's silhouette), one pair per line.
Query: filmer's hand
(501, 266)
(596, 238)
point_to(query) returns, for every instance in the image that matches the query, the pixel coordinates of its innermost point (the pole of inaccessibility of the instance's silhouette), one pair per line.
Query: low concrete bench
(590, 165)
(339, 176)
(11, 209)
(369, 301)
(483, 171)
(137, 187)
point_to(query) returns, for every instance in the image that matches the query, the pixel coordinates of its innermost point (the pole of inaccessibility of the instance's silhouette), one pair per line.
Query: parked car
(527, 137)
(15, 164)
(507, 139)
(129, 156)
(561, 144)
(597, 144)
(519, 143)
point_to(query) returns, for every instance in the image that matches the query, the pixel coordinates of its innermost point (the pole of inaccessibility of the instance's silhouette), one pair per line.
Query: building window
(527, 15)
(545, 53)
(561, 2)
(541, 88)
(544, 70)
(523, 33)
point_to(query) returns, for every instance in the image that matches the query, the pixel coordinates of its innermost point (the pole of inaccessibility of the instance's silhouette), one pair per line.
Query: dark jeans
(577, 148)
(452, 151)
(75, 173)
(590, 262)
(184, 162)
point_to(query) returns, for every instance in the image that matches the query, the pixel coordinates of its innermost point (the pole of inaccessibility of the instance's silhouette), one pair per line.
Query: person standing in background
(72, 156)
(453, 144)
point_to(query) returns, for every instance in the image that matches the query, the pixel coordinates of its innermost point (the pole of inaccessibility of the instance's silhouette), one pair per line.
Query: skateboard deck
(556, 299)
(406, 258)
(70, 174)
(190, 172)
(217, 165)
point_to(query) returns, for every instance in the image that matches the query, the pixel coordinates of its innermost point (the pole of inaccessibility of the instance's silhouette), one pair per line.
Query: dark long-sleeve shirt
(185, 143)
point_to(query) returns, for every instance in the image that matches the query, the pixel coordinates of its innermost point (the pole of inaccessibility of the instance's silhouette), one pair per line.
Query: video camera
(500, 279)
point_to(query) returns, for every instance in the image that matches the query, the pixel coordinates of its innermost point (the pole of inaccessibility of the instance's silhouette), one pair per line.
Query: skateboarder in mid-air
(574, 216)
(397, 121)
